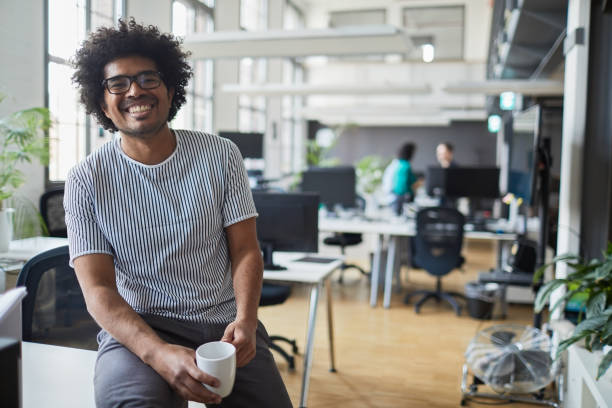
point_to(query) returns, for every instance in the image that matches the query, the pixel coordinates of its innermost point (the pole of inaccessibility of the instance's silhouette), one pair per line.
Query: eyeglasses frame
(132, 78)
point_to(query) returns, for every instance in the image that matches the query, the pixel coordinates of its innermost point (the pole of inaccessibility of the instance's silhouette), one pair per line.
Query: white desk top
(304, 272)
(24, 249)
(397, 226)
(59, 377)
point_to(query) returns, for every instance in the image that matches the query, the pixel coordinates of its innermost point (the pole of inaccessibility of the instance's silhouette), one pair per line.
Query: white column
(273, 139)
(574, 121)
(225, 111)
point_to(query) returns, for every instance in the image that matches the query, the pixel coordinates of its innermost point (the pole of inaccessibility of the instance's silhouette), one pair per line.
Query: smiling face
(138, 112)
(444, 155)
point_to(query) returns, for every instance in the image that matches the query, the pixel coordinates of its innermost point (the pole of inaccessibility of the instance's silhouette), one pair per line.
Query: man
(444, 154)
(161, 226)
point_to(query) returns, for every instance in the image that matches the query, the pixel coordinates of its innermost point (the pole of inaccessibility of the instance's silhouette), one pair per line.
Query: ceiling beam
(496, 87)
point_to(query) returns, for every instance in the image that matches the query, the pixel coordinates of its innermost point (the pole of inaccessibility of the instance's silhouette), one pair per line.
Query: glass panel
(66, 27)
(66, 143)
(102, 13)
(441, 27)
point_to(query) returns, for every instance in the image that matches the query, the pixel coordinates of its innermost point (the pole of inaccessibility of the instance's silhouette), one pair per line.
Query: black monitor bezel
(319, 179)
(254, 149)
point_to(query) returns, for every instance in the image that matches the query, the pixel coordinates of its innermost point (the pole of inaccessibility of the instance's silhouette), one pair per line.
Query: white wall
(22, 71)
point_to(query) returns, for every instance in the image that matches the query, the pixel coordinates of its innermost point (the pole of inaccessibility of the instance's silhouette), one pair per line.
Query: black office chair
(54, 310)
(437, 249)
(52, 212)
(275, 295)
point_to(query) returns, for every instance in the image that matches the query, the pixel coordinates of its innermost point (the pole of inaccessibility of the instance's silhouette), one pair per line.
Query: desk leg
(500, 255)
(389, 270)
(376, 272)
(330, 328)
(314, 300)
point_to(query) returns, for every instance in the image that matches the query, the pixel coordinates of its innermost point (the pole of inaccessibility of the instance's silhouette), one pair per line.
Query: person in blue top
(399, 180)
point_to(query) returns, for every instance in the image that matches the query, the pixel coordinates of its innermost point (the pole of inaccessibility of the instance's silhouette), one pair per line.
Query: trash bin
(481, 299)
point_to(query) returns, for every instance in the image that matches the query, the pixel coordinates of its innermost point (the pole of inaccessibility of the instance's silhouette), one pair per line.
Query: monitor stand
(267, 250)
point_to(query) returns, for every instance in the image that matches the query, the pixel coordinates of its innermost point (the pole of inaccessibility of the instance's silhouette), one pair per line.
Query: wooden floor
(386, 357)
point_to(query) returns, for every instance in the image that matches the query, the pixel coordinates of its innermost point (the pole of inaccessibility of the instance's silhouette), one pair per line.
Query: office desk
(315, 275)
(393, 228)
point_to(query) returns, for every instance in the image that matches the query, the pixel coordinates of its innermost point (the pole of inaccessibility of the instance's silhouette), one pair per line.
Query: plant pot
(6, 228)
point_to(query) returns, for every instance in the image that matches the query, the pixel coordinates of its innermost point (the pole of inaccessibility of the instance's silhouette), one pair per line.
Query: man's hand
(176, 364)
(241, 334)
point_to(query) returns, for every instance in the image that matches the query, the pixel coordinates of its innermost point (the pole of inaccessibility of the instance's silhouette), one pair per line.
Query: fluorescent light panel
(376, 39)
(323, 89)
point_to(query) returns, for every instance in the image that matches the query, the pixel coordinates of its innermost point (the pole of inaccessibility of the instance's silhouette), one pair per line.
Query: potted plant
(370, 171)
(22, 138)
(592, 279)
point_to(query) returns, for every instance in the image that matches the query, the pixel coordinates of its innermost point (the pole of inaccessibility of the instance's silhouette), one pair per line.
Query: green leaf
(591, 325)
(596, 304)
(604, 364)
(545, 292)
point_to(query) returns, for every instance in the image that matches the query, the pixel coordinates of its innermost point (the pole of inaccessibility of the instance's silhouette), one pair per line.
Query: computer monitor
(523, 149)
(249, 144)
(470, 182)
(287, 222)
(335, 185)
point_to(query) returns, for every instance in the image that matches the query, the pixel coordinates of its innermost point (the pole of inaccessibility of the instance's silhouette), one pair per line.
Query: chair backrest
(54, 310)
(52, 212)
(439, 239)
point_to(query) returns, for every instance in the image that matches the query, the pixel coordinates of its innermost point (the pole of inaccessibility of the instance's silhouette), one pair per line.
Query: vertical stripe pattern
(163, 224)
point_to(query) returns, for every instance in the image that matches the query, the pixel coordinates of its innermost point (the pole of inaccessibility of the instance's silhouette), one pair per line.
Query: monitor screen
(523, 154)
(335, 185)
(286, 222)
(249, 144)
(470, 182)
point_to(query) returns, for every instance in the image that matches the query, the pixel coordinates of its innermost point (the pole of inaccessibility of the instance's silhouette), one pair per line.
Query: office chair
(437, 249)
(52, 212)
(275, 295)
(54, 310)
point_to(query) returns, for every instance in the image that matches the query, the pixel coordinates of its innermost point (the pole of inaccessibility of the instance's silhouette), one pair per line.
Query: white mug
(218, 358)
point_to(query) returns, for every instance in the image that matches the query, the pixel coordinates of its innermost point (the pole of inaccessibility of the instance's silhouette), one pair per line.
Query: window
(193, 16)
(435, 30)
(252, 110)
(292, 127)
(73, 135)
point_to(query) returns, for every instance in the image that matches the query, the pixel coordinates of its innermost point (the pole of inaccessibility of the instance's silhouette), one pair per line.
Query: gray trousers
(122, 380)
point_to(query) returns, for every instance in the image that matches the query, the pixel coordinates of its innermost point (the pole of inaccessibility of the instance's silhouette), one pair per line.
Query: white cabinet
(583, 391)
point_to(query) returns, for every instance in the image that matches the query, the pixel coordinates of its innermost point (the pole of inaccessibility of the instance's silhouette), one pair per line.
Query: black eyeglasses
(122, 83)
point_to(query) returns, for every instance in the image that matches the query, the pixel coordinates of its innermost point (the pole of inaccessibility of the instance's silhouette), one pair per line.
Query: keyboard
(514, 278)
(316, 259)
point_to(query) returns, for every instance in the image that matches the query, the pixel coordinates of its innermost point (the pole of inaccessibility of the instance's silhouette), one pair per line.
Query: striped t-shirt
(163, 224)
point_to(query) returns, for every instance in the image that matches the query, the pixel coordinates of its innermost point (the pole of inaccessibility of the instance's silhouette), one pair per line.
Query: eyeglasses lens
(121, 83)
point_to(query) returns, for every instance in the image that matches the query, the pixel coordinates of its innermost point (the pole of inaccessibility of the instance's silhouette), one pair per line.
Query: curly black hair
(129, 39)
